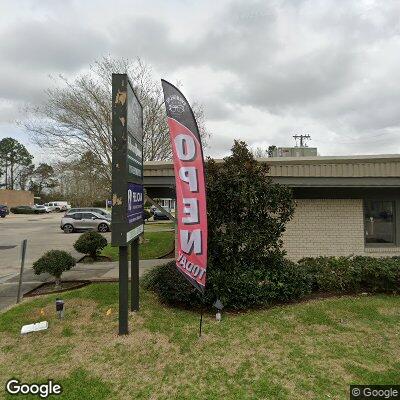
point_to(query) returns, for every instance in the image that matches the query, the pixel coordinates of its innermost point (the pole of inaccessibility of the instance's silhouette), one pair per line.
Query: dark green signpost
(127, 189)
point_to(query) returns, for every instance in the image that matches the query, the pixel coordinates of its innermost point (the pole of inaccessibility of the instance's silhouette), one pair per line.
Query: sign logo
(135, 203)
(176, 105)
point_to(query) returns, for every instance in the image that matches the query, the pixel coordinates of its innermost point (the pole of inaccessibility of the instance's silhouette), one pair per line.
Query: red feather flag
(190, 187)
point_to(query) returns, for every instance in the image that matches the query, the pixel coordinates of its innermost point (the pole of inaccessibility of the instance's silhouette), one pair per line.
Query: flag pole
(201, 315)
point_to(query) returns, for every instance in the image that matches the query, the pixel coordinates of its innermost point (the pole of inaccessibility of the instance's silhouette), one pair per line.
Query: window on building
(379, 221)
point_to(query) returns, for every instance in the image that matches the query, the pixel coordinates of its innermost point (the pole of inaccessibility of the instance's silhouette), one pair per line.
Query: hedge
(353, 274)
(280, 281)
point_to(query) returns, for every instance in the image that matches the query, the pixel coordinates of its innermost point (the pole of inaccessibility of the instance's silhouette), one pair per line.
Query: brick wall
(13, 198)
(329, 227)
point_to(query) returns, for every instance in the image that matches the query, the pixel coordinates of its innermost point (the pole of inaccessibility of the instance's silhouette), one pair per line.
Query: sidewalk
(96, 272)
(108, 271)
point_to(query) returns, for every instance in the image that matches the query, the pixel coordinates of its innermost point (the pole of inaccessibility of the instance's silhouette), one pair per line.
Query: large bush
(90, 243)
(283, 281)
(353, 274)
(247, 213)
(171, 287)
(54, 262)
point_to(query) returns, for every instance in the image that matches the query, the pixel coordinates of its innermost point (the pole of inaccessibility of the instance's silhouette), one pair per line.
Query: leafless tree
(81, 181)
(260, 152)
(76, 115)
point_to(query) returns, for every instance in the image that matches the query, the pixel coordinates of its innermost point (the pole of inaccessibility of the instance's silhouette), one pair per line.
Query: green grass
(310, 350)
(158, 226)
(156, 245)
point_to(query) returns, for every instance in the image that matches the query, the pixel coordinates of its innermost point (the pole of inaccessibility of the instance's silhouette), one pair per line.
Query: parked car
(26, 210)
(85, 221)
(2, 213)
(88, 209)
(42, 207)
(58, 206)
(158, 215)
(4, 210)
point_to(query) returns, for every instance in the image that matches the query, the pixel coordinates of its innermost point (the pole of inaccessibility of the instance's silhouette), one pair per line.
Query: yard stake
(23, 253)
(201, 315)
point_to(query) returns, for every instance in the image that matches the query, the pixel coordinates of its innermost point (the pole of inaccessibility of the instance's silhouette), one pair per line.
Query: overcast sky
(263, 70)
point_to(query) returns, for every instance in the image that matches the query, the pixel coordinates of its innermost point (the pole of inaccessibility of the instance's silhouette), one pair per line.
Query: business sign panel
(127, 162)
(135, 203)
(190, 187)
(135, 160)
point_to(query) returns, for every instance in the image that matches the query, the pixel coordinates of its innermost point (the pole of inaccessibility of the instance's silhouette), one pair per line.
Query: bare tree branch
(76, 117)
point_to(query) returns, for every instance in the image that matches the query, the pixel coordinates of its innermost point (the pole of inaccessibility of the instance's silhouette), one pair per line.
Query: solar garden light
(60, 308)
(219, 306)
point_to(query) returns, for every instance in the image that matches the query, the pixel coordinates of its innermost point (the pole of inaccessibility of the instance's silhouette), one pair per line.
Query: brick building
(14, 198)
(345, 205)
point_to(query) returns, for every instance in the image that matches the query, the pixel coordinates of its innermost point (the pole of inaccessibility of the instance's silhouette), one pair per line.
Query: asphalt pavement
(43, 233)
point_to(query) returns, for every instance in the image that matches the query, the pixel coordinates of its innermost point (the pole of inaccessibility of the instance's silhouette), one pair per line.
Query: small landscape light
(219, 306)
(60, 308)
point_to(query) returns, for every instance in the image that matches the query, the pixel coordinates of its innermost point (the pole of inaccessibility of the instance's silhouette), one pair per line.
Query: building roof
(309, 177)
(382, 165)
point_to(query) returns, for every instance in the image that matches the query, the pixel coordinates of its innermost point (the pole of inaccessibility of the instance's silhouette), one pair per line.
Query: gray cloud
(52, 45)
(262, 69)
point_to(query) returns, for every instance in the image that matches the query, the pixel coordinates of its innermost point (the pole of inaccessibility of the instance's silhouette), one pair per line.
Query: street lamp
(60, 308)
(219, 306)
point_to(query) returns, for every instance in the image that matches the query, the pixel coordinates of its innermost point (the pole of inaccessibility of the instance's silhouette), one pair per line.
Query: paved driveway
(43, 233)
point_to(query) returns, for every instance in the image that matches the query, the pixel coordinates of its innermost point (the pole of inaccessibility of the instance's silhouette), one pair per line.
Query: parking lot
(42, 232)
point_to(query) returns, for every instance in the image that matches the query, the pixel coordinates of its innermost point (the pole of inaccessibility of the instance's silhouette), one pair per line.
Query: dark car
(3, 211)
(26, 210)
(158, 215)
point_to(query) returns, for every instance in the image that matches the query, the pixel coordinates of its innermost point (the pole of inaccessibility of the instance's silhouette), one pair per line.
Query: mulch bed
(89, 260)
(171, 254)
(48, 288)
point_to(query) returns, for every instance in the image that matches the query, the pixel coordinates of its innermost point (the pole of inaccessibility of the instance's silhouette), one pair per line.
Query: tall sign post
(127, 189)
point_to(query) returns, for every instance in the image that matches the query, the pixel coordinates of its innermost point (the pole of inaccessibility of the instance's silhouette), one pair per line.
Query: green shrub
(378, 275)
(281, 281)
(330, 274)
(247, 213)
(171, 287)
(54, 262)
(90, 243)
(353, 274)
(286, 281)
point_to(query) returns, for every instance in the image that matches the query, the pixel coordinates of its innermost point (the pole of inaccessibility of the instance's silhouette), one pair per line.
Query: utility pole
(303, 139)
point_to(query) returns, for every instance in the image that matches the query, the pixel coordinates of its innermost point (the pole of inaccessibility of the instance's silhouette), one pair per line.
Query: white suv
(58, 206)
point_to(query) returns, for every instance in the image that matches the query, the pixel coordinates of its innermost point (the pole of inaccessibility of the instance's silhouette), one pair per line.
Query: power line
(303, 139)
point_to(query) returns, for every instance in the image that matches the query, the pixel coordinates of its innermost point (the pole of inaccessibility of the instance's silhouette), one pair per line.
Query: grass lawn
(158, 226)
(156, 245)
(306, 351)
